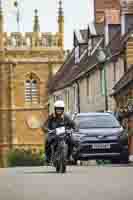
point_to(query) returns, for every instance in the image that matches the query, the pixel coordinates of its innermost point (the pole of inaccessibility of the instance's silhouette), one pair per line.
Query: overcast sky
(77, 15)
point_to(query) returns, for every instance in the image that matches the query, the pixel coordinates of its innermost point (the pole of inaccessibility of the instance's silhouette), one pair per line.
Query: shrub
(21, 157)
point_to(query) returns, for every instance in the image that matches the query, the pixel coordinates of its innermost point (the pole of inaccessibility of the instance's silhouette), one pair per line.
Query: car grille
(87, 142)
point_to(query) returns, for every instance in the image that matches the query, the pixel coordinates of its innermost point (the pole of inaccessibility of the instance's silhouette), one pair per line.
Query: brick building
(105, 6)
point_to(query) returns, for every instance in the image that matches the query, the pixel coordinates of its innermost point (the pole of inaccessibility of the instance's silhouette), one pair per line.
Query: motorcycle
(59, 148)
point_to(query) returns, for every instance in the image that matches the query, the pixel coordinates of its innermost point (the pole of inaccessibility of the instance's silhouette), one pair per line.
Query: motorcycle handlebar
(68, 131)
(51, 131)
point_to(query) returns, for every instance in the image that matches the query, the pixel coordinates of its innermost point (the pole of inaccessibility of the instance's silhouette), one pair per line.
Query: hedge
(21, 157)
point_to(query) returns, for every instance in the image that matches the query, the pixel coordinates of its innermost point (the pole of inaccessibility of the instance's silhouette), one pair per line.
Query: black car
(99, 136)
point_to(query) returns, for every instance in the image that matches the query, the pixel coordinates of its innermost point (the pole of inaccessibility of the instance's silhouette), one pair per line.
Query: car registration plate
(101, 146)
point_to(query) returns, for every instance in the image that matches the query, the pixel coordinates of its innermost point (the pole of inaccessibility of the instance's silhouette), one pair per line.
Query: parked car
(99, 136)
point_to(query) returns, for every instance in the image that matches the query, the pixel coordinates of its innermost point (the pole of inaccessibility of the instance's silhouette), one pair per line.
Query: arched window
(32, 92)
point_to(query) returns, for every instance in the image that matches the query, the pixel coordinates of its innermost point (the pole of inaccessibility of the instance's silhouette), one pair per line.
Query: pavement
(79, 183)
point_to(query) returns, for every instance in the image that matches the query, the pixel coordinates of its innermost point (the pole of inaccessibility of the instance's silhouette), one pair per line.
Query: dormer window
(89, 46)
(77, 54)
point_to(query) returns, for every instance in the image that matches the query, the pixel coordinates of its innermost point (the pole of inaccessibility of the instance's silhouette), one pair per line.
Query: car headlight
(123, 137)
(113, 137)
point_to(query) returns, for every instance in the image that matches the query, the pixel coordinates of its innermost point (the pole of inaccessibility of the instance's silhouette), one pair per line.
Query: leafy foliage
(21, 157)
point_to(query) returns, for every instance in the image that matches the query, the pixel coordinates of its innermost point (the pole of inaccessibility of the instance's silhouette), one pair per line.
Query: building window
(57, 98)
(89, 46)
(54, 98)
(75, 98)
(77, 55)
(67, 100)
(114, 71)
(102, 82)
(87, 86)
(32, 90)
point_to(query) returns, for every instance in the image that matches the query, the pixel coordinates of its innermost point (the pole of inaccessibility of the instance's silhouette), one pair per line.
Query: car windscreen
(97, 121)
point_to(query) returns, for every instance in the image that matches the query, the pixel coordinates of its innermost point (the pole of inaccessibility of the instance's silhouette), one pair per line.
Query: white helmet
(59, 104)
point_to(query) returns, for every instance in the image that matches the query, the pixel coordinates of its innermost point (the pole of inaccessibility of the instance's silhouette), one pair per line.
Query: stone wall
(20, 120)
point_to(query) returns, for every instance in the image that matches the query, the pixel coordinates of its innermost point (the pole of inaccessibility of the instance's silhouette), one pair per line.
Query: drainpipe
(105, 89)
(78, 96)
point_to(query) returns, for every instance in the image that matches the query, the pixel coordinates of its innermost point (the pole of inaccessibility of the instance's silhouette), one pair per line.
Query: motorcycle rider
(56, 120)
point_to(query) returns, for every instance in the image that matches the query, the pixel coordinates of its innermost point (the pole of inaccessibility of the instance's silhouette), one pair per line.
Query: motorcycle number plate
(60, 130)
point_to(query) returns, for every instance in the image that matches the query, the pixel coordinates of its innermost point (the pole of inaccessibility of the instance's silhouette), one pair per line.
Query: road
(80, 183)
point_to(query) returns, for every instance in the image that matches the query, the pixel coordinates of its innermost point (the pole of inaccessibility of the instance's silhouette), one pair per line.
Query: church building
(27, 61)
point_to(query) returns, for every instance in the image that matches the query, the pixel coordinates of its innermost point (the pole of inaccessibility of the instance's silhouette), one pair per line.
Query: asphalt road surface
(79, 183)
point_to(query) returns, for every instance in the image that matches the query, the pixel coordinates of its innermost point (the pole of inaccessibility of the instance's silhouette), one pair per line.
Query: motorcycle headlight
(76, 137)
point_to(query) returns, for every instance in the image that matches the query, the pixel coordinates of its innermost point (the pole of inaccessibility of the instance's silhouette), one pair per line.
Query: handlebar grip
(51, 131)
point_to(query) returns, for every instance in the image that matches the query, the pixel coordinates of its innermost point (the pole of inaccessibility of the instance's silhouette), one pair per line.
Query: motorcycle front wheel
(61, 163)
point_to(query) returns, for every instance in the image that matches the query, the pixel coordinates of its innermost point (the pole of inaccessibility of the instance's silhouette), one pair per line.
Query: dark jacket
(53, 122)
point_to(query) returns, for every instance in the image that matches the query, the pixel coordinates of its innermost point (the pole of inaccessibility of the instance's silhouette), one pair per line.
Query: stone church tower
(26, 63)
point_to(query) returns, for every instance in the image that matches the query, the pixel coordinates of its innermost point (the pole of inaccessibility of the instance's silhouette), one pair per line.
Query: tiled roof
(70, 72)
(115, 43)
(58, 78)
(124, 81)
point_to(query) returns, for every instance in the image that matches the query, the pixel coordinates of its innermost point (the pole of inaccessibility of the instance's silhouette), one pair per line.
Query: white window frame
(77, 54)
(75, 98)
(88, 86)
(32, 95)
(89, 46)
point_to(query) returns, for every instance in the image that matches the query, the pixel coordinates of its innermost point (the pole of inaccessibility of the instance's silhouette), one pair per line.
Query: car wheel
(115, 161)
(124, 159)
